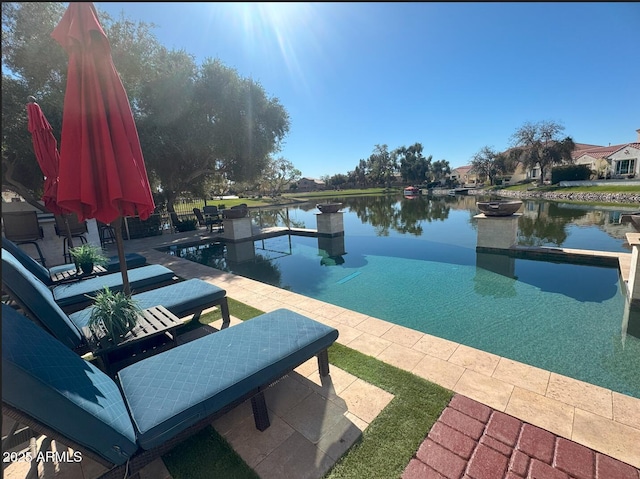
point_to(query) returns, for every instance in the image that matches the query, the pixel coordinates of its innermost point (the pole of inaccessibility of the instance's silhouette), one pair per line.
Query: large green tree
(414, 167)
(381, 166)
(197, 123)
(541, 145)
(440, 170)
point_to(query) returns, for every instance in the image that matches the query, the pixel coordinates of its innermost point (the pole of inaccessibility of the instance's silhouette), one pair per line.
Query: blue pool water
(565, 318)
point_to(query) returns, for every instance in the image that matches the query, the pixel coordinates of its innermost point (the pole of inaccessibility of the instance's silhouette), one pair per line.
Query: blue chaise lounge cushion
(171, 391)
(42, 377)
(180, 298)
(76, 292)
(39, 299)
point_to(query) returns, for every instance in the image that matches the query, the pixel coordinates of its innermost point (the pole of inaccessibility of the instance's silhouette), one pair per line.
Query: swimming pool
(426, 275)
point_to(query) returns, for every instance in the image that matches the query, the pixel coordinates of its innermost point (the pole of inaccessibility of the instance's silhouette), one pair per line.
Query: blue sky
(453, 76)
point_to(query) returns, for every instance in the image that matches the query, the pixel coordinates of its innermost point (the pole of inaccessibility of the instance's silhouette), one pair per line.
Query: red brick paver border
(473, 441)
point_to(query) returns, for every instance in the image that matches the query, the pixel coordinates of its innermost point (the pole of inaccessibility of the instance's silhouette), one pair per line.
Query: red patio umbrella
(45, 146)
(102, 173)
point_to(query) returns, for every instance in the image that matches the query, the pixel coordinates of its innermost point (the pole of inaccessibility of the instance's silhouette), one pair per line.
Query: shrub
(570, 173)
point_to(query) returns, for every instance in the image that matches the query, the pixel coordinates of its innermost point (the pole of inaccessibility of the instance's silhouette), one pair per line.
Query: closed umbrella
(102, 174)
(45, 146)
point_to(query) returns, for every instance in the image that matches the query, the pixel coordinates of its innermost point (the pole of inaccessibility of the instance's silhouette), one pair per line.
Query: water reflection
(579, 282)
(543, 223)
(331, 250)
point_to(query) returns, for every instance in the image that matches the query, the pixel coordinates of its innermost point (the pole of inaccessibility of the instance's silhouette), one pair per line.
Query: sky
(455, 77)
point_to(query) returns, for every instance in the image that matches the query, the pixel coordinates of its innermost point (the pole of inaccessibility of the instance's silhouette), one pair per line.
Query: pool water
(561, 317)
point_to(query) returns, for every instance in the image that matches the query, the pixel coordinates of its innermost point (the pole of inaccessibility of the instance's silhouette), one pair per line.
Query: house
(613, 161)
(310, 184)
(464, 175)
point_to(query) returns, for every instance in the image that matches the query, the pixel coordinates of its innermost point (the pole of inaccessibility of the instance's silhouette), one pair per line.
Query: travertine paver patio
(598, 418)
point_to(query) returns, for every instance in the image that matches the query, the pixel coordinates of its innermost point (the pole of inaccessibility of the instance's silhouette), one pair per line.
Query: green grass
(386, 446)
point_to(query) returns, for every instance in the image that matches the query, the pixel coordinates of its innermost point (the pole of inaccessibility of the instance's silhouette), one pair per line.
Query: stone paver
(472, 441)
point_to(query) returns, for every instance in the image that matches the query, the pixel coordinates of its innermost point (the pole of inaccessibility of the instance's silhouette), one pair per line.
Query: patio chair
(67, 272)
(184, 298)
(212, 214)
(154, 404)
(22, 227)
(75, 295)
(77, 229)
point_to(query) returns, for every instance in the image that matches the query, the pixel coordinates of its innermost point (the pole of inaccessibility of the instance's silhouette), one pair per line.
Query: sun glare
(278, 29)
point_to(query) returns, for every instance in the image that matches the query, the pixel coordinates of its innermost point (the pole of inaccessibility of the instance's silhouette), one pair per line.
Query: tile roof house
(310, 184)
(613, 161)
(464, 175)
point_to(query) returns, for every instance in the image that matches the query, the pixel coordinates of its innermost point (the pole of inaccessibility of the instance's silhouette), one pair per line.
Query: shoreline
(615, 198)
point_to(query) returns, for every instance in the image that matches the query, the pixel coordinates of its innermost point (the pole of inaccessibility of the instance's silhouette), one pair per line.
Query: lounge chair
(181, 299)
(155, 403)
(76, 295)
(67, 272)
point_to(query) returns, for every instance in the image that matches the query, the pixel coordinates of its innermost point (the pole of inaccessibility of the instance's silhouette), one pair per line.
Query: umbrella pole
(68, 232)
(117, 226)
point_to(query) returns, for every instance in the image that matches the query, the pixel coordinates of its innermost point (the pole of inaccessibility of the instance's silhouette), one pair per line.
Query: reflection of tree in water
(386, 213)
(277, 217)
(545, 227)
(261, 269)
(213, 255)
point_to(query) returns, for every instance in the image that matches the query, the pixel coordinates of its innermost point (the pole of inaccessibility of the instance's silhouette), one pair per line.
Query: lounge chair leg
(224, 309)
(323, 363)
(260, 413)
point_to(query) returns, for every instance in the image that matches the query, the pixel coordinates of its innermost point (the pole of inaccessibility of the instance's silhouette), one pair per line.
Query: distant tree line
(383, 166)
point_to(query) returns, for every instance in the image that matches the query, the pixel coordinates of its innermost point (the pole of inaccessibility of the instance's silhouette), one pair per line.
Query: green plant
(113, 315)
(186, 225)
(88, 254)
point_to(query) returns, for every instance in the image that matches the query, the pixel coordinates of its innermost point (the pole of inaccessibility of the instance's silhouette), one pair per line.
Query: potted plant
(86, 256)
(113, 315)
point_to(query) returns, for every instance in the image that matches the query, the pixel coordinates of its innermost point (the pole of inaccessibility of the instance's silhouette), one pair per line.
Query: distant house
(464, 175)
(613, 161)
(626, 159)
(310, 184)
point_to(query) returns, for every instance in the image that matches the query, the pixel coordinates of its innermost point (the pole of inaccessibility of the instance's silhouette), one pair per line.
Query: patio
(306, 444)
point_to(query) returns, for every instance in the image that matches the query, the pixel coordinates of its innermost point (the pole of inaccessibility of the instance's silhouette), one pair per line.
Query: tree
(414, 167)
(381, 166)
(35, 64)
(336, 181)
(440, 170)
(278, 174)
(539, 145)
(487, 164)
(196, 123)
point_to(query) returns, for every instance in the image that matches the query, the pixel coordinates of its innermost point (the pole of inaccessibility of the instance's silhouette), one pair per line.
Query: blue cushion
(171, 391)
(27, 261)
(76, 292)
(39, 299)
(180, 298)
(134, 260)
(43, 378)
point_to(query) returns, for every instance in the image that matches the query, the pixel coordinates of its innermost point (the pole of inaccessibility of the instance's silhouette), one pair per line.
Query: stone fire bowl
(329, 207)
(499, 208)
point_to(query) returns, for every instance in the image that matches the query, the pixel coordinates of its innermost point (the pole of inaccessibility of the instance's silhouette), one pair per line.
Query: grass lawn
(385, 448)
